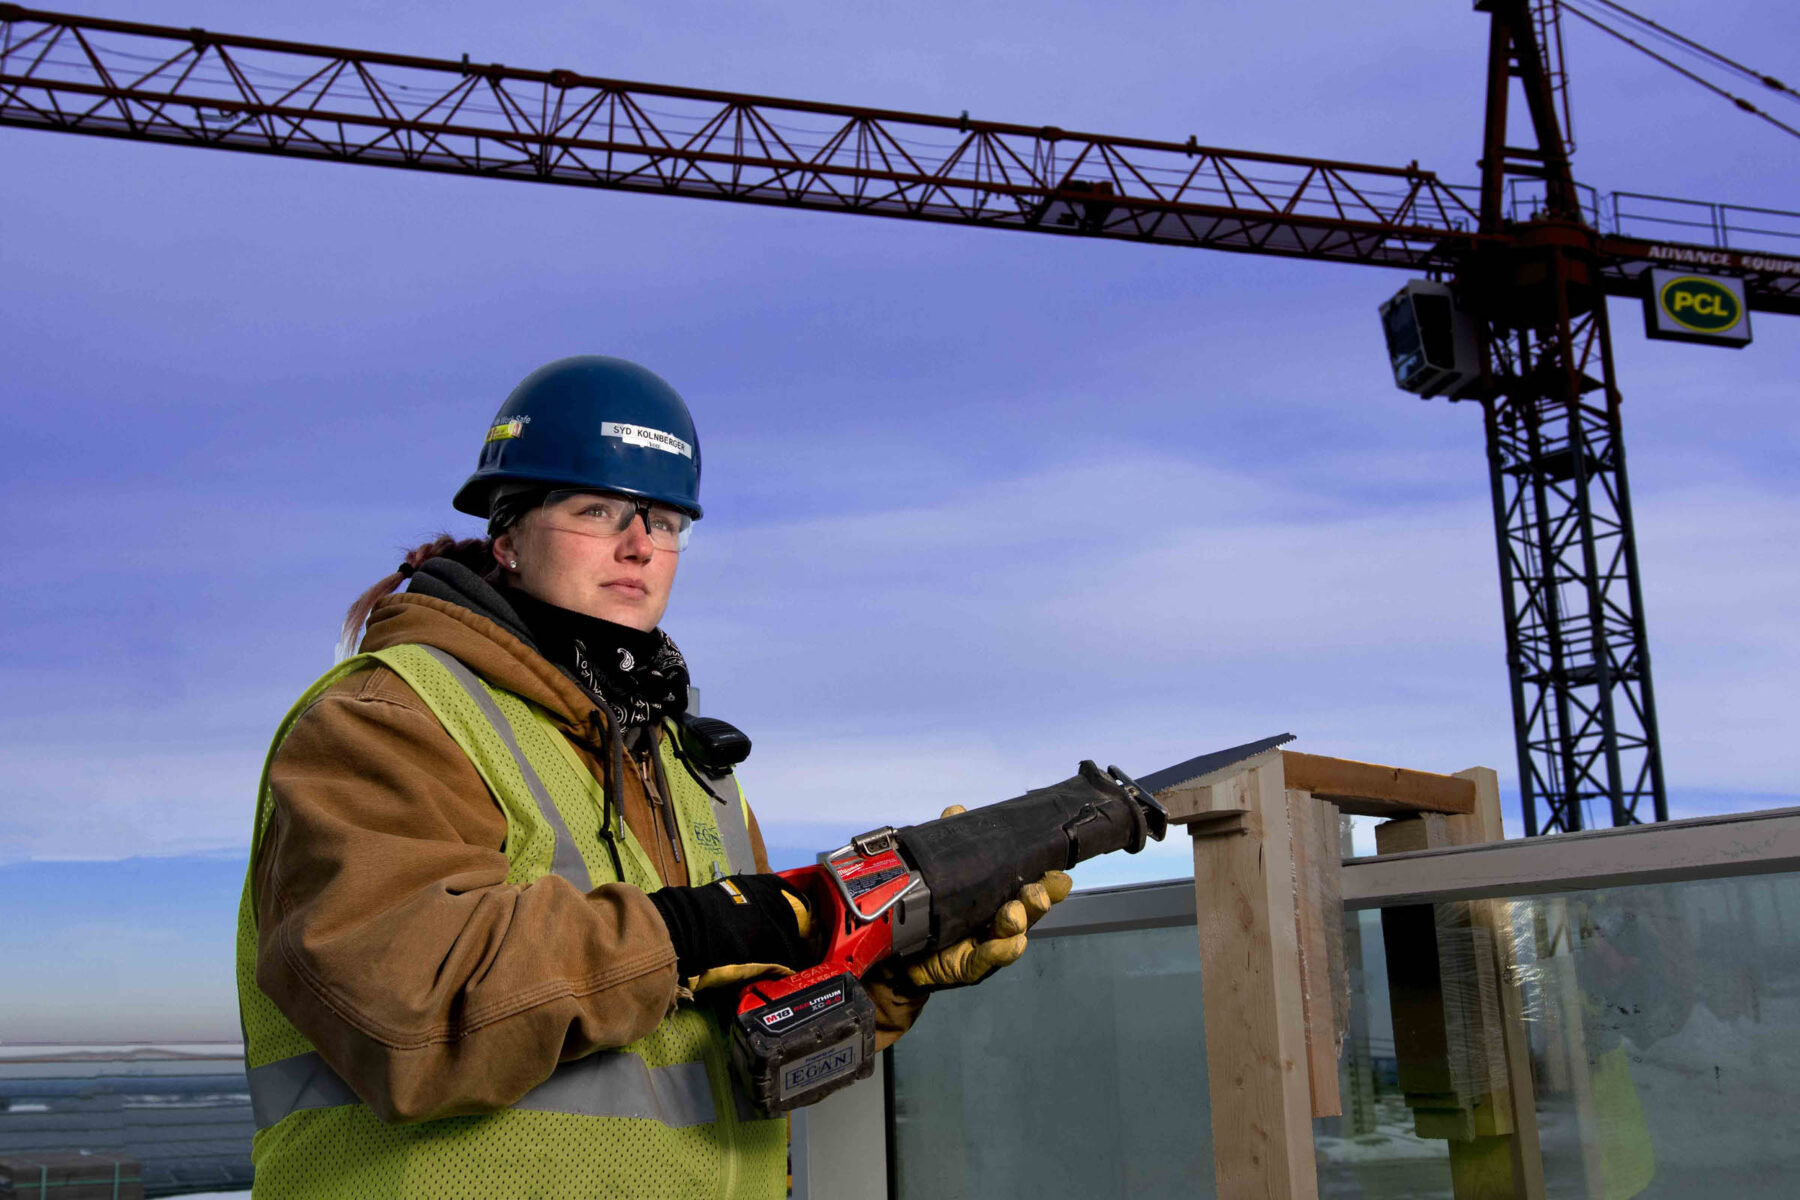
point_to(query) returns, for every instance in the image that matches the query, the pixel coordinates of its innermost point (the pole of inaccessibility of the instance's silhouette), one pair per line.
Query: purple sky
(979, 506)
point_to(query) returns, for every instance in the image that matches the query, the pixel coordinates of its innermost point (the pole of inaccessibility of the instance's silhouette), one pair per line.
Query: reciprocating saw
(900, 892)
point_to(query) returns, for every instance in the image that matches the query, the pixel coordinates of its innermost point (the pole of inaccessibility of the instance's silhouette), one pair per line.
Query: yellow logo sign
(1700, 304)
(504, 430)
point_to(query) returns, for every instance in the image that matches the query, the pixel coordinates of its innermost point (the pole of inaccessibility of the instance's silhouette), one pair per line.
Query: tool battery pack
(806, 1044)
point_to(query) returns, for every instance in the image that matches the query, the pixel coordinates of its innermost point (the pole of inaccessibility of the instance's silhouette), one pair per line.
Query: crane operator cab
(1430, 340)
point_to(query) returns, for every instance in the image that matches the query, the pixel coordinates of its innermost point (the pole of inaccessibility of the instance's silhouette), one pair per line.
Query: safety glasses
(607, 515)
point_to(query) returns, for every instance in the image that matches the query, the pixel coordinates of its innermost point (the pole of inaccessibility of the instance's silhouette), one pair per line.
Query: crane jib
(1541, 363)
(213, 90)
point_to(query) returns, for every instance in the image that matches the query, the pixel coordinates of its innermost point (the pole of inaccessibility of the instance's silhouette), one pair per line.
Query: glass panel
(1079, 1072)
(1373, 1150)
(1662, 1024)
(1668, 1039)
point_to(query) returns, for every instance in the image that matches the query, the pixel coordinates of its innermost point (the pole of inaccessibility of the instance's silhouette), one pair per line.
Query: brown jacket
(388, 934)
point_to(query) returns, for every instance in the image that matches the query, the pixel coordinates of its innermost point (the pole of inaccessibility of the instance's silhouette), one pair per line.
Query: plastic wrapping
(1470, 971)
(1459, 973)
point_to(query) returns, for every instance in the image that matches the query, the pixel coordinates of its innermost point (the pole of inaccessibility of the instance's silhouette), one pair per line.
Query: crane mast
(1578, 655)
(1577, 651)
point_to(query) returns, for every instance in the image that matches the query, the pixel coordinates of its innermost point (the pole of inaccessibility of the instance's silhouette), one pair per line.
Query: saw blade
(1206, 764)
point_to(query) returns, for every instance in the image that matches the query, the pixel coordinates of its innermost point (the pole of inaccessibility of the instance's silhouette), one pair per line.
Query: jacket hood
(451, 607)
(447, 579)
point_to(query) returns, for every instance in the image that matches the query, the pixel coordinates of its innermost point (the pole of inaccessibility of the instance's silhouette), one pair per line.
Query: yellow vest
(659, 1119)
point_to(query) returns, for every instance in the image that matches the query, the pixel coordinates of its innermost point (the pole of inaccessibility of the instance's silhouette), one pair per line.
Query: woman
(496, 864)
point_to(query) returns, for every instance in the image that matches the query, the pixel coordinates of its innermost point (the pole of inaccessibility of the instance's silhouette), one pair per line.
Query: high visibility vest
(658, 1119)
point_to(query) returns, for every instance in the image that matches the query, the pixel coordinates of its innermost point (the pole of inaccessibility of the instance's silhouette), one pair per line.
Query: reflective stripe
(616, 1083)
(291, 1084)
(612, 1083)
(734, 828)
(566, 859)
(734, 825)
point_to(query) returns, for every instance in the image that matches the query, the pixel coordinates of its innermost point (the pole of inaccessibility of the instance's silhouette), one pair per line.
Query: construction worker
(499, 873)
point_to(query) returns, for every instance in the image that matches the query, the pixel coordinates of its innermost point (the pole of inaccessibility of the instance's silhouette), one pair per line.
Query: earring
(513, 565)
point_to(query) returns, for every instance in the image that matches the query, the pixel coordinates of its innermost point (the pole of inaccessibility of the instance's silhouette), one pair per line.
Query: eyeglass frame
(641, 508)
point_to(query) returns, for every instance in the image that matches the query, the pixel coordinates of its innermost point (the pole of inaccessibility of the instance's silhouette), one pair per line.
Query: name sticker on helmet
(643, 435)
(507, 429)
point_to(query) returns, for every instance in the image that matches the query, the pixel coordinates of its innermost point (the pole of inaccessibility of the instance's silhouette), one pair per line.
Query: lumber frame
(1268, 897)
(1372, 790)
(1319, 912)
(1474, 1036)
(1256, 1059)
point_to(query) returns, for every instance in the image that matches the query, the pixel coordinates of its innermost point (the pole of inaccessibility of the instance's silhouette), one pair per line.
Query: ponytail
(473, 553)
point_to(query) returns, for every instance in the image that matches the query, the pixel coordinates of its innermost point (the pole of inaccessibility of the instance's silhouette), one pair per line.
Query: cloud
(978, 506)
(107, 801)
(1149, 609)
(977, 639)
(1136, 608)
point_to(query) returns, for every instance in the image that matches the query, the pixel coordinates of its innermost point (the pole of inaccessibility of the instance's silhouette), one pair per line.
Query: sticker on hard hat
(643, 435)
(507, 429)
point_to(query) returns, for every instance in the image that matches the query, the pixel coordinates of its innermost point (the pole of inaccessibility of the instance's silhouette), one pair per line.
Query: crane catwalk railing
(193, 87)
(125, 79)
(131, 80)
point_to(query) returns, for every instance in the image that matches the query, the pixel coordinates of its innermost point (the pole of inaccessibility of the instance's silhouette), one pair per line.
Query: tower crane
(1511, 316)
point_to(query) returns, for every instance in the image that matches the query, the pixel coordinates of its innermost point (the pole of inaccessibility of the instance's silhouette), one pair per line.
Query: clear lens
(606, 515)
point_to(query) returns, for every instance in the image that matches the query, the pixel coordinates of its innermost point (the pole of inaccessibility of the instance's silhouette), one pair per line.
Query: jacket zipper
(662, 782)
(611, 784)
(665, 824)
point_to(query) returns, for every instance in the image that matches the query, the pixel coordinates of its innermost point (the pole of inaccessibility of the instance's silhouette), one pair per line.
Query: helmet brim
(475, 497)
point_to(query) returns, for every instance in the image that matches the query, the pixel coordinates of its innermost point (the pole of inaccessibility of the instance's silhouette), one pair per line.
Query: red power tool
(909, 891)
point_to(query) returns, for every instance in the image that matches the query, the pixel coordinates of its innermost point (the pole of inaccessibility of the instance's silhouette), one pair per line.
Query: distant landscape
(180, 1111)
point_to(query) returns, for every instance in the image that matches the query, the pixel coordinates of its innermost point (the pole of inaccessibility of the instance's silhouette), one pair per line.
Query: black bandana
(640, 677)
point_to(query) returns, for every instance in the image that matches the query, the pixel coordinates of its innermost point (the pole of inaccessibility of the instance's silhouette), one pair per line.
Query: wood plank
(1315, 963)
(1357, 1076)
(1370, 789)
(1422, 831)
(1255, 1011)
(1218, 791)
(1525, 1148)
(1479, 957)
(1329, 865)
(1446, 1000)
(1489, 1116)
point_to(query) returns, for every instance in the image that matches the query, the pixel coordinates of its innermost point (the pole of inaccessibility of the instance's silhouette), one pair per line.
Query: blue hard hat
(591, 422)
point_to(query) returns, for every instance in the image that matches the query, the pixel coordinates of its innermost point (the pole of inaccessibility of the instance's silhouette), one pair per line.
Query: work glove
(736, 929)
(975, 958)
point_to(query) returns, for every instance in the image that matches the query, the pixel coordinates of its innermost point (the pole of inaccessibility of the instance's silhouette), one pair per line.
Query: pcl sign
(1685, 307)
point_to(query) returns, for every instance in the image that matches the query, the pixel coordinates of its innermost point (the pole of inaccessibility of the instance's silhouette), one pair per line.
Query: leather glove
(975, 958)
(736, 929)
